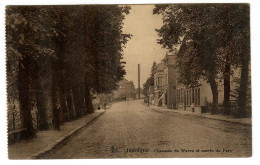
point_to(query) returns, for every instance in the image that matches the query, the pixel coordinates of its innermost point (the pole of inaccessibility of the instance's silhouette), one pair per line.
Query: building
(168, 92)
(142, 96)
(200, 96)
(165, 83)
(126, 91)
(158, 83)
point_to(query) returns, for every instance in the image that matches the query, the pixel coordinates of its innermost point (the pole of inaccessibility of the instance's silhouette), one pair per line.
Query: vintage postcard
(128, 81)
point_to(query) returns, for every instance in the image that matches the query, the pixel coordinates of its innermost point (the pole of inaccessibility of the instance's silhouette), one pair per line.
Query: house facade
(165, 83)
(158, 84)
(200, 96)
(168, 92)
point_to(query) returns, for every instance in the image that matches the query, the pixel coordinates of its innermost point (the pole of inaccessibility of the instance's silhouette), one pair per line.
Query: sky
(142, 48)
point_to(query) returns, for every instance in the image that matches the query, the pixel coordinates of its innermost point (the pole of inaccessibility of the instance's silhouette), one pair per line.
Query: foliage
(149, 82)
(212, 37)
(104, 45)
(235, 94)
(69, 51)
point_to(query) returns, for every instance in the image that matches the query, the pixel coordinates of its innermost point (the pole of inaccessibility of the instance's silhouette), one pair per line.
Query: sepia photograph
(128, 81)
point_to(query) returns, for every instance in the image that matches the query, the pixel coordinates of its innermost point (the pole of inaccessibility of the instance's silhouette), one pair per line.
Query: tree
(233, 42)
(72, 51)
(24, 40)
(104, 45)
(235, 94)
(149, 82)
(184, 24)
(242, 49)
(211, 42)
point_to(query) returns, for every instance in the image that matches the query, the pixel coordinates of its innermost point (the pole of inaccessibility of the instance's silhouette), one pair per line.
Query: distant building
(98, 100)
(126, 91)
(142, 96)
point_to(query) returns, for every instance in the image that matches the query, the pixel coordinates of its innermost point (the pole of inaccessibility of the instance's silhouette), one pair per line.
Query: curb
(62, 139)
(199, 115)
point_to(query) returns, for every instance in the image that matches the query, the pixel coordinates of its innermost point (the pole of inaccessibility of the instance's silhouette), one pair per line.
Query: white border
(255, 44)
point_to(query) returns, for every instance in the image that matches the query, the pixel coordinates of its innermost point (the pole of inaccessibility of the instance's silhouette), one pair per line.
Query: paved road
(130, 129)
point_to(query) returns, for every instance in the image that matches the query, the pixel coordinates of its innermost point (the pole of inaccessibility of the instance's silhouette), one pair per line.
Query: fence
(233, 106)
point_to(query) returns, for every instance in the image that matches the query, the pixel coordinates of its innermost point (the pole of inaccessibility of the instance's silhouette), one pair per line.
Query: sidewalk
(246, 121)
(47, 140)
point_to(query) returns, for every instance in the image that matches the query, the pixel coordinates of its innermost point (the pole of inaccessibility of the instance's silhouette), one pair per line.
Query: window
(184, 96)
(181, 95)
(178, 95)
(192, 95)
(166, 78)
(188, 97)
(160, 79)
(158, 83)
(198, 96)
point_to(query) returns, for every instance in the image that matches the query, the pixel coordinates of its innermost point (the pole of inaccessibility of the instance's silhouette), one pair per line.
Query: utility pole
(139, 81)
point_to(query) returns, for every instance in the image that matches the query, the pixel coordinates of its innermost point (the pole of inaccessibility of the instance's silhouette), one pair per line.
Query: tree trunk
(82, 99)
(242, 98)
(55, 96)
(64, 108)
(214, 90)
(41, 107)
(84, 104)
(58, 80)
(24, 99)
(41, 103)
(88, 99)
(77, 101)
(56, 110)
(70, 103)
(227, 87)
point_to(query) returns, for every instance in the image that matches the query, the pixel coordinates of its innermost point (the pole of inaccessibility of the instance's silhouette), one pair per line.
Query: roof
(125, 81)
(160, 66)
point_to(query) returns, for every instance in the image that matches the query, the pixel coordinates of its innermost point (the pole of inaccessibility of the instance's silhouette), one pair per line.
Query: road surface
(132, 130)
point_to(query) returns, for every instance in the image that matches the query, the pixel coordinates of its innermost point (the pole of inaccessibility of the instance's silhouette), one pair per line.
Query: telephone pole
(139, 81)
